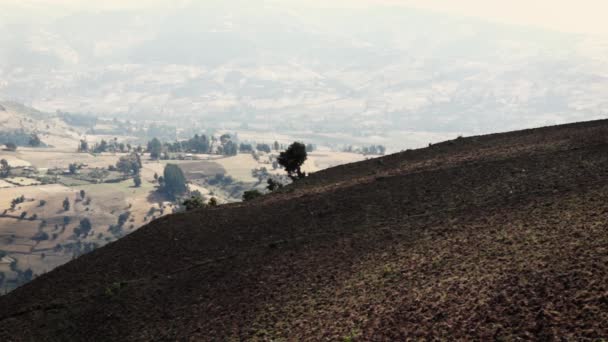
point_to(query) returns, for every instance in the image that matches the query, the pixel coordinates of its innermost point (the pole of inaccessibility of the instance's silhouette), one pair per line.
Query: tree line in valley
(198, 144)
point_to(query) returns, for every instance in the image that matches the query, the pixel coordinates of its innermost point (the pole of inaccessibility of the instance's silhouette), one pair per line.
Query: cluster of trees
(105, 146)
(228, 149)
(101, 147)
(173, 182)
(263, 148)
(200, 144)
(16, 201)
(291, 160)
(83, 228)
(196, 202)
(196, 144)
(366, 150)
(245, 148)
(20, 137)
(268, 148)
(129, 165)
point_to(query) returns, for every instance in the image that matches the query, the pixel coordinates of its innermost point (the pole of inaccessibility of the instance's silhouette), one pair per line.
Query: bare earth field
(498, 237)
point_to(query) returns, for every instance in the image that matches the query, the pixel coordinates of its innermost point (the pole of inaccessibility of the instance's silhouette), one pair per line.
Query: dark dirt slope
(499, 236)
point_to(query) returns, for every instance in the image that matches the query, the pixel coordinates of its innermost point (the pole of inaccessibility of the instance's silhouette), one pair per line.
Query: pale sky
(578, 16)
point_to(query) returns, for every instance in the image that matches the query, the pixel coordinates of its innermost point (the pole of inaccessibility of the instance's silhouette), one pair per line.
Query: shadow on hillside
(156, 197)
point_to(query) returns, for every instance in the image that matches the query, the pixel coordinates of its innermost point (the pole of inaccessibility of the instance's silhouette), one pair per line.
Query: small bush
(194, 202)
(122, 218)
(251, 195)
(114, 288)
(40, 236)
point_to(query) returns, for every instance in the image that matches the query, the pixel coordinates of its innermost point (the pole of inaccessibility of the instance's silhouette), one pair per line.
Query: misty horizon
(381, 70)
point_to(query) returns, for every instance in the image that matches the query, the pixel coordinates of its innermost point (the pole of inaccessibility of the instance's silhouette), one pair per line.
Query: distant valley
(38, 233)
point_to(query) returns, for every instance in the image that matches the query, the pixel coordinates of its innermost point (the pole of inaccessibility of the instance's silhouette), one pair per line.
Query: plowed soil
(502, 236)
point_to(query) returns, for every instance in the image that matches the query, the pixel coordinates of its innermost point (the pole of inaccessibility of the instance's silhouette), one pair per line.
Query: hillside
(289, 65)
(17, 119)
(493, 237)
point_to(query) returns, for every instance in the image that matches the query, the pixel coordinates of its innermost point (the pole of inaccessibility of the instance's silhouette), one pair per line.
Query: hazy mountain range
(343, 70)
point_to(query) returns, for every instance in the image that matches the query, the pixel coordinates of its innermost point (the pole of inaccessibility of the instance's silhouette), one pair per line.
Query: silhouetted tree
(292, 160)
